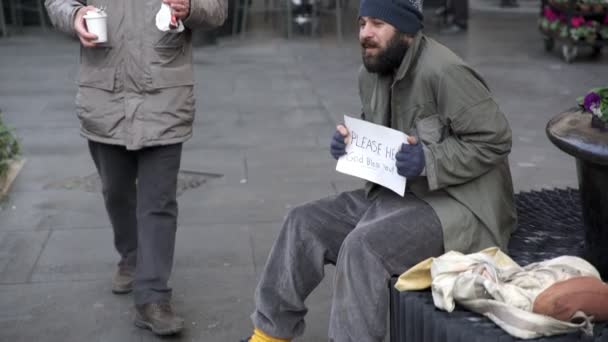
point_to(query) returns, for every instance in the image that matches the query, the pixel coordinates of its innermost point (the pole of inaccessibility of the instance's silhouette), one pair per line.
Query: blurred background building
(306, 17)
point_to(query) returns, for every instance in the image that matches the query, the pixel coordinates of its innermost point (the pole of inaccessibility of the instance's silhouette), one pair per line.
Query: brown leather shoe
(158, 317)
(122, 281)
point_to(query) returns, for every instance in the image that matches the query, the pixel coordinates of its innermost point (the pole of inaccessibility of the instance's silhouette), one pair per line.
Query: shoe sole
(121, 291)
(146, 325)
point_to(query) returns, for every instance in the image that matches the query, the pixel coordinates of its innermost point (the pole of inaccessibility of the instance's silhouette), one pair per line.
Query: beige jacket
(136, 90)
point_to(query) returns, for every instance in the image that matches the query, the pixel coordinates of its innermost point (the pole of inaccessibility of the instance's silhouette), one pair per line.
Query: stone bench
(549, 225)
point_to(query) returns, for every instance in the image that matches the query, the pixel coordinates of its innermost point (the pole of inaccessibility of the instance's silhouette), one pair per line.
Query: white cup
(97, 25)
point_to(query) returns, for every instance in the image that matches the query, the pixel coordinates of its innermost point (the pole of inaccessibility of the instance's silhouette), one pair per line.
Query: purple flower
(592, 101)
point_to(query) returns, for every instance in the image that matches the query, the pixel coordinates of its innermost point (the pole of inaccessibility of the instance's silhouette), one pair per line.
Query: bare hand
(180, 8)
(345, 133)
(411, 140)
(86, 38)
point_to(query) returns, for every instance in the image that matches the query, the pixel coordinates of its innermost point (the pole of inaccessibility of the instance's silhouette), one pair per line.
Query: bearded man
(459, 193)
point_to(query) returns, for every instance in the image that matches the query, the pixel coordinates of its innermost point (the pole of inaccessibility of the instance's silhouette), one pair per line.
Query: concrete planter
(7, 180)
(580, 135)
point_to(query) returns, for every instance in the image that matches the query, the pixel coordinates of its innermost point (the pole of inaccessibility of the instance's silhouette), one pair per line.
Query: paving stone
(19, 253)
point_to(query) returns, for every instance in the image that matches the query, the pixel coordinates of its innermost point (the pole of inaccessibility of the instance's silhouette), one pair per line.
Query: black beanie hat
(405, 15)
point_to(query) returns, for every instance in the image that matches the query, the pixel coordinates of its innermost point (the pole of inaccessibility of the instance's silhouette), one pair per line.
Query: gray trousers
(367, 240)
(460, 10)
(139, 191)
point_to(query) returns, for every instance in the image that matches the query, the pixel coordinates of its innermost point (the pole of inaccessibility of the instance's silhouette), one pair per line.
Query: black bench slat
(549, 225)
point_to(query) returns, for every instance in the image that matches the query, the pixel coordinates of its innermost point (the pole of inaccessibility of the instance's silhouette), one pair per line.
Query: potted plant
(563, 31)
(583, 30)
(550, 21)
(10, 164)
(596, 103)
(603, 31)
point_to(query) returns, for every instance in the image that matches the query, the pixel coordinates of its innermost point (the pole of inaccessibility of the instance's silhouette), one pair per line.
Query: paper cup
(97, 25)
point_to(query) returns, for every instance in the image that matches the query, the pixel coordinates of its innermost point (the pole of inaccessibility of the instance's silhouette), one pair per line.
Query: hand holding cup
(87, 39)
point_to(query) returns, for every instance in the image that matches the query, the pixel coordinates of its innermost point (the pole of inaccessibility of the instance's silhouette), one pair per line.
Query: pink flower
(577, 21)
(550, 14)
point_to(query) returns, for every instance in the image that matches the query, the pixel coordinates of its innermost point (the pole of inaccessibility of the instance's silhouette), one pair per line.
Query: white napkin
(163, 20)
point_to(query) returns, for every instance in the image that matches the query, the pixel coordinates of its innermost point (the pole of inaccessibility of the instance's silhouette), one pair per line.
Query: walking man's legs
(459, 13)
(157, 210)
(158, 169)
(117, 169)
(139, 189)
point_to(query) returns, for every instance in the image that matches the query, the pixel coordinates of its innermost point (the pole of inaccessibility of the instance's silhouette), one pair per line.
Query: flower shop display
(574, 23)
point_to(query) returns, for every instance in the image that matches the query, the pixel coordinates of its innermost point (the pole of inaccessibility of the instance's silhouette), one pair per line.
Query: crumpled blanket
(492, 284)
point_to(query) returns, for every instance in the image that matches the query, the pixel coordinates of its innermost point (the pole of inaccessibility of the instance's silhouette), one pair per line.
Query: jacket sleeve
(479, 135)
(205, 14)
(62, 12)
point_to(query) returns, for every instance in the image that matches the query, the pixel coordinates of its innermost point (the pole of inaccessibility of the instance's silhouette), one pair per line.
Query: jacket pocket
(171, 40)
(165, 77)
(169, 49)
(171, 61)
(430, 129)
(94, 77)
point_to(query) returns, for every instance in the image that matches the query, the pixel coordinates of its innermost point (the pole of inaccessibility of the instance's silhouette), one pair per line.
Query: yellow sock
(260, 336)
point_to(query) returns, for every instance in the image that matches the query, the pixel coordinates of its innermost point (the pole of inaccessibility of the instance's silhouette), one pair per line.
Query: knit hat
(405, 15)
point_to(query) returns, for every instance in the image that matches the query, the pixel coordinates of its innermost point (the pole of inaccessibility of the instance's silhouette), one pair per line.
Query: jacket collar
(410, 58)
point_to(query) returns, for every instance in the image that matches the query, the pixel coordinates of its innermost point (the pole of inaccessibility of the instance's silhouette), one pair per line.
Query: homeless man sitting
(459, 194)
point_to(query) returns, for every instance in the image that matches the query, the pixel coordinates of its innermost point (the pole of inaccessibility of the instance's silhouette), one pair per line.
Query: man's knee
(358, 250)
(354, 245)
(117, 191)
(161, 204)
(305, 225)
(298, 221)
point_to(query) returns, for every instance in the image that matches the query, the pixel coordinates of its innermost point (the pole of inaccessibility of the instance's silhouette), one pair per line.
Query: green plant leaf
(9, 147)
(603, 92)
(580, 100)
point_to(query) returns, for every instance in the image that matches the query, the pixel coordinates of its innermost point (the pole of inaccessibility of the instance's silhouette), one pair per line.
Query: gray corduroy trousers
(368, 240)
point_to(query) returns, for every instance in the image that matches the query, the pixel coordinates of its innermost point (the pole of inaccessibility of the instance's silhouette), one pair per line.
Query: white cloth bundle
(492, 284)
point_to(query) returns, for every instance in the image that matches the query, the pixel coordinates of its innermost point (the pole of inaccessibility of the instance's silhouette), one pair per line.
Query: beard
(388, 59)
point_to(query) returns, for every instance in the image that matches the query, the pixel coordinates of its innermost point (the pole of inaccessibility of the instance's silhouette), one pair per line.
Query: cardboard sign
(370, 154)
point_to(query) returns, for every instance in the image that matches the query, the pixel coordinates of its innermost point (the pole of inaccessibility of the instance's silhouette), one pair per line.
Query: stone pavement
(266, 110)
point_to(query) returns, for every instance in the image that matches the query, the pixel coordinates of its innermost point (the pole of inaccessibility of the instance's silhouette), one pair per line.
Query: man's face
(382, 46)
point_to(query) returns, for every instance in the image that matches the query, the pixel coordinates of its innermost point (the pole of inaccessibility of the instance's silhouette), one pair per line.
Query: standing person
(458, 10)
(136, 106)
(459, 192)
